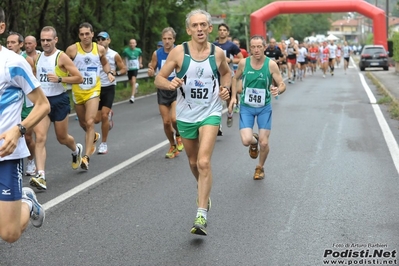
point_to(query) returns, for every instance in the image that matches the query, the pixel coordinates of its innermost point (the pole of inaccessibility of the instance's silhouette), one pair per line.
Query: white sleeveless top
(111, 61)
(47, 64)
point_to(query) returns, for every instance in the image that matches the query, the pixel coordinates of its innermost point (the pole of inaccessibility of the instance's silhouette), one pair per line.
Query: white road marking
(48, 205)
(386, 131)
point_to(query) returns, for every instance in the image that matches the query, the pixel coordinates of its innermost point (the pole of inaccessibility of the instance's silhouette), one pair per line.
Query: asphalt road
(331, 185)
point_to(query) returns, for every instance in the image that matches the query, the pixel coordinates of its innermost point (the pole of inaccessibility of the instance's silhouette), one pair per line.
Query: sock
(76, 151)
(229, 114)
(201, 212)
(41, 172)
(29, 202)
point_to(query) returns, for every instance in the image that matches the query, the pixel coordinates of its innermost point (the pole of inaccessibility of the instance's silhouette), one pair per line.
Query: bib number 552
(199, 93)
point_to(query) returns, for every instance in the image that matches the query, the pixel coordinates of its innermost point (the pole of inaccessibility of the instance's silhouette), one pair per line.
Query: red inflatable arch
(259, 17)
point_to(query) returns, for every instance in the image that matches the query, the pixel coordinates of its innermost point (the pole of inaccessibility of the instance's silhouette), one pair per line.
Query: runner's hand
(111, 77)
(224, 93)
(9, 141)
(175, 83)
(233, 101)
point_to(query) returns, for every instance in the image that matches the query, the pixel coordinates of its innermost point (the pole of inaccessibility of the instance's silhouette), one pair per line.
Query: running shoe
(77, 159)
(103, 148)
(38, 182)
(179, 143)
(172, 152)
(85, 162)
(96, 138)
(131, 99)
(30, 167)
(289, 80)
(253, 148)
(259, 173)
(229, 121)
(110, 121)
(37, 213)
(220, 133)
(199, 226)
(209, 204)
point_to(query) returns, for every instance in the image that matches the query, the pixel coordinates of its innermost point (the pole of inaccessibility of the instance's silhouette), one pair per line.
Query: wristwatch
(59, 79)
(22, 129)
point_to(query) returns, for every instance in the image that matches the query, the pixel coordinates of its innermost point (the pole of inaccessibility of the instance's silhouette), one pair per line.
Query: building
(353, 30)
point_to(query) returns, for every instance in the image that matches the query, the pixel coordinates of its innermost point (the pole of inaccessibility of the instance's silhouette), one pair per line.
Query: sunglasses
(100, 39)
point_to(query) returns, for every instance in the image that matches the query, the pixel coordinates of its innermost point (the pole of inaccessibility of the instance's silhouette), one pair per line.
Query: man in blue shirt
(233, 56)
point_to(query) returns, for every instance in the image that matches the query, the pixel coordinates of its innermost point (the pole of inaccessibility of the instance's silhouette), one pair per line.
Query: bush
(395, 39)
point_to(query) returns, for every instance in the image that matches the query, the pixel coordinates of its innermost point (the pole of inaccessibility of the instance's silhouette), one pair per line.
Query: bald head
(30, 45)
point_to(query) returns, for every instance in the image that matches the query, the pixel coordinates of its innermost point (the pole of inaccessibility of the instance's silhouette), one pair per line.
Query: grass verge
(393, 106)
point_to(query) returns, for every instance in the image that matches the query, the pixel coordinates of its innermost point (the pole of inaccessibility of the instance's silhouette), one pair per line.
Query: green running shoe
(199, 226)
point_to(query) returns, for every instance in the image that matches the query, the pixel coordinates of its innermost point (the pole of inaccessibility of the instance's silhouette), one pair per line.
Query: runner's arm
(152, 65)
(171, 63)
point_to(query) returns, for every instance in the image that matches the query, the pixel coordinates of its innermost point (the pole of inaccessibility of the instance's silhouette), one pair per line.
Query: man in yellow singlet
(88, 58)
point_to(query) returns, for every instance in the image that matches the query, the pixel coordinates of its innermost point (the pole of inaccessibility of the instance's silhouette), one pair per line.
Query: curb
(376, 80)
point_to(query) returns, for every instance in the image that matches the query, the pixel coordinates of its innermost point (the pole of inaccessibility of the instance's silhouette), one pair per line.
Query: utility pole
(387, 17)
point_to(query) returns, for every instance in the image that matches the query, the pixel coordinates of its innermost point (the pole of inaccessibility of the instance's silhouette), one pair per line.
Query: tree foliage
(142, 20)
(284, 26)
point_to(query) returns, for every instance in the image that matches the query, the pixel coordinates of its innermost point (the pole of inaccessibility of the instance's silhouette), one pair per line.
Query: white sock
(42, 173)
(29, 202)
(201, 212)
(76, 151)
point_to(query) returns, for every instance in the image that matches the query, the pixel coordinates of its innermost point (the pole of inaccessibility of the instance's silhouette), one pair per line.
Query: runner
(107, 95)
(17, 204)
(332, 48)
(233, 55)
(338, 57)
(134, 62)
(15, 43)
(54, 71)
(198, 64)
(30, 47)
(313, 56)
(302, 54)
(258, 73)
(347, 51)
(88, 58)
(324, 59)
(292, 52)
(245, 54)
(167, 99)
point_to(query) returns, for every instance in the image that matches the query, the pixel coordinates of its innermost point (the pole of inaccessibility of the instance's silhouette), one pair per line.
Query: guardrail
(142, 73)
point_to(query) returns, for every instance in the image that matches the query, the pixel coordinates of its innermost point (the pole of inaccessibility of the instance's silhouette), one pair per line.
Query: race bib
(89, 78)
(255, 97)
(43, 78)
(199, 92)
(133, 64)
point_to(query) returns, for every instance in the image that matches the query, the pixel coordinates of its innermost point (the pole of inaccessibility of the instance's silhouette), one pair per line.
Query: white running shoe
(37, 214)
(30, 167)
(131, 99)
(103, 148)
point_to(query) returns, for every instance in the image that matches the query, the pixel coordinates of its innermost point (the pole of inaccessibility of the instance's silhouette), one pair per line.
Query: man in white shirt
(17, 204)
